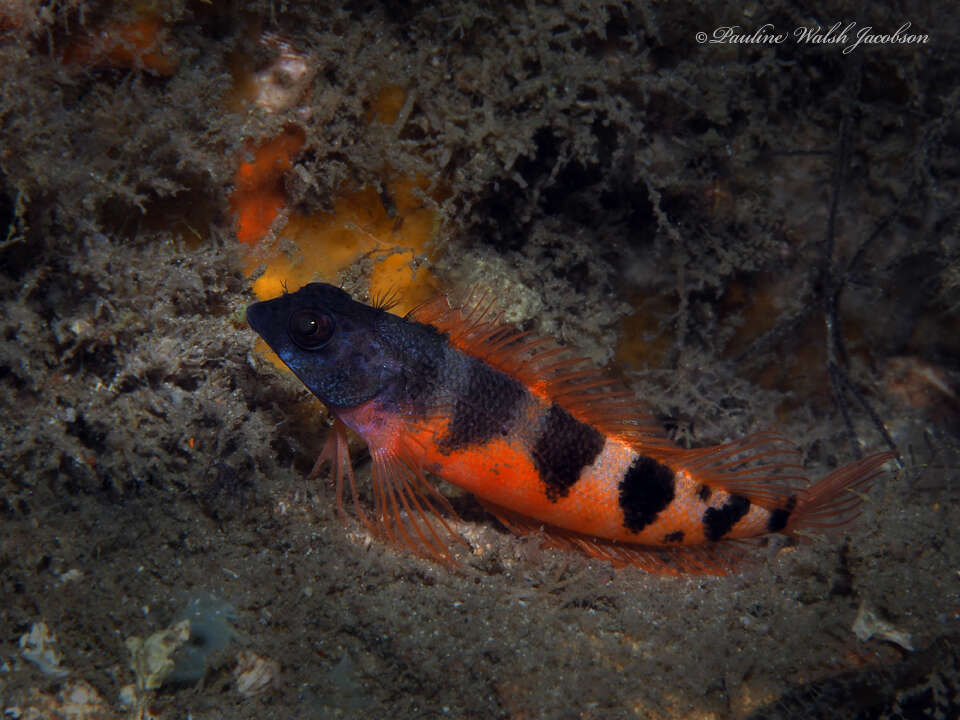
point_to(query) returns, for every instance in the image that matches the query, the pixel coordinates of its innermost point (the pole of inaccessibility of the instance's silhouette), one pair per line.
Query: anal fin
(719, 558)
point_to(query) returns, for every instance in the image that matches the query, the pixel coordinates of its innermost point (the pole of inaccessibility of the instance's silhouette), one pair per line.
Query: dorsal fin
(763, 467)
(547, 369)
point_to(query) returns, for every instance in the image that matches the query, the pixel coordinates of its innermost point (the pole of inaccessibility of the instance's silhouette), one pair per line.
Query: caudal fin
(835, 500)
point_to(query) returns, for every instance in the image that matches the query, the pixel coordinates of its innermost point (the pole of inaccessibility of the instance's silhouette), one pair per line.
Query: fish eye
(310, 329)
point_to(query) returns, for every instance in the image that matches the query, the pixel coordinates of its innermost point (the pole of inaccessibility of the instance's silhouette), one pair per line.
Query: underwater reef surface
(754, 233)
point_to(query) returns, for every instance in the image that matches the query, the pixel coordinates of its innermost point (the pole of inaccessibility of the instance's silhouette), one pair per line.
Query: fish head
(329, 341)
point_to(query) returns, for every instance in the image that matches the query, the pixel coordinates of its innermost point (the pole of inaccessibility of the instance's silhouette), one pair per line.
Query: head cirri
(331, 342)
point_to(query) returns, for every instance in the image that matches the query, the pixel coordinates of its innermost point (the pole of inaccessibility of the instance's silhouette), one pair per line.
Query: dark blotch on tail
(647, 488)
(485, 410)
(718, 521)
(779, 517)
(564, 448)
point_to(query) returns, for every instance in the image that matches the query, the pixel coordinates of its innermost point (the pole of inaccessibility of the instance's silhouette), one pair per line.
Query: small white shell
(868, 624)
(254, 673)
(39, 647)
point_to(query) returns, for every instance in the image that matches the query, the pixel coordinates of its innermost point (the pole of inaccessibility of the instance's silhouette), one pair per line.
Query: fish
(546, 442)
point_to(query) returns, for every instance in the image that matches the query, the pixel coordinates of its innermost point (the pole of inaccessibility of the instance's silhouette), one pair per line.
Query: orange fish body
(544, 441)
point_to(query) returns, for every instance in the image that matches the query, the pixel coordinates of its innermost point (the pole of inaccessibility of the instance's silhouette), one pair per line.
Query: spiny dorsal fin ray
(546, 369)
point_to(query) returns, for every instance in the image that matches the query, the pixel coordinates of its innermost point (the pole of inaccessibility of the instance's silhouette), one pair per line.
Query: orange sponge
(258, 195)
(392, 226)
(386, 106)
(134, 45)
(359, 227)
